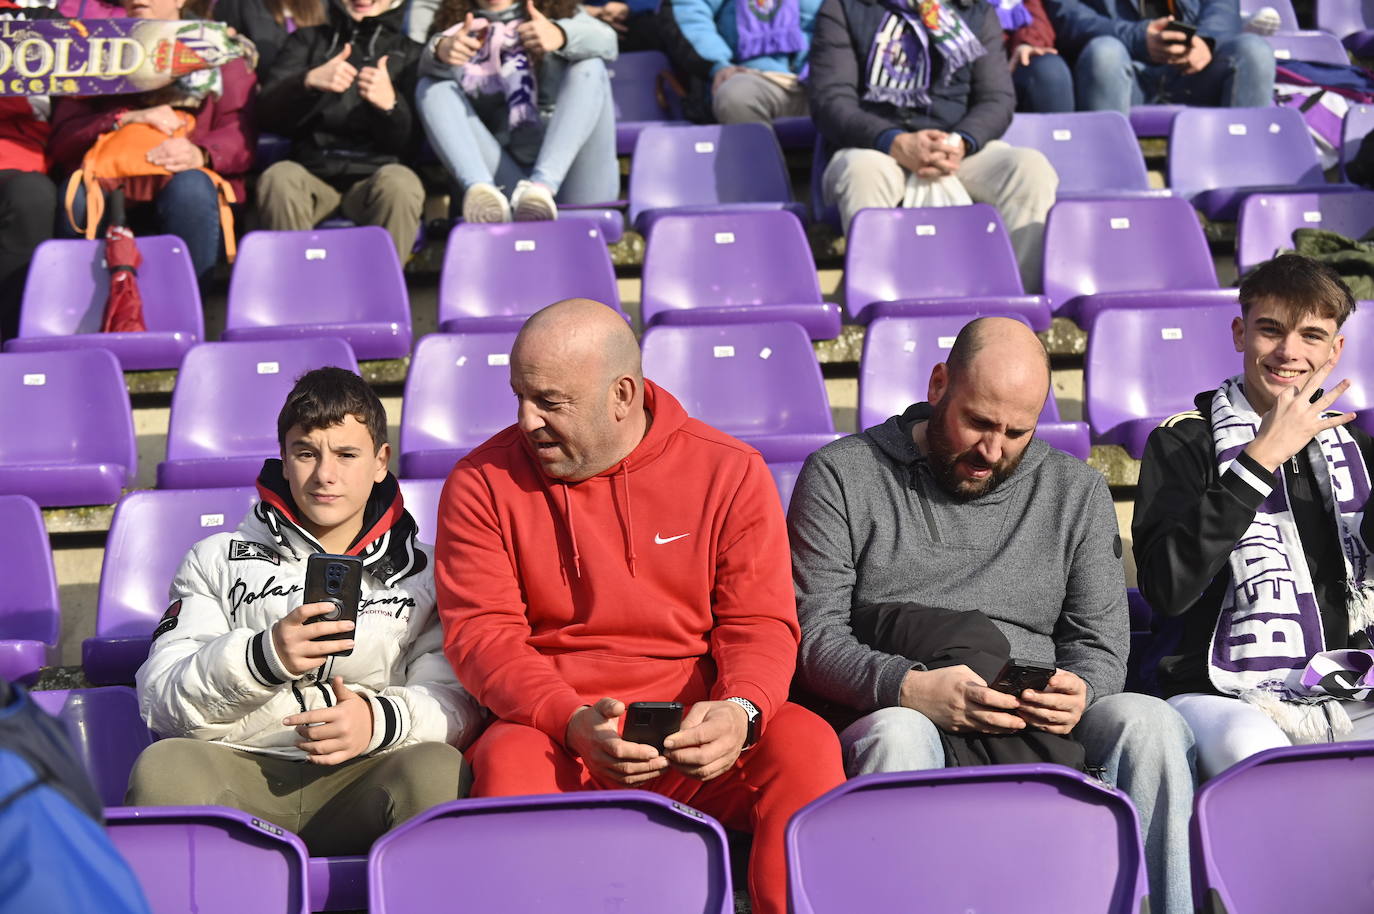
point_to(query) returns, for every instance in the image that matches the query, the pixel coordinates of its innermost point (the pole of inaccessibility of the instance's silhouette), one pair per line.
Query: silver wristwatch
(752, 736)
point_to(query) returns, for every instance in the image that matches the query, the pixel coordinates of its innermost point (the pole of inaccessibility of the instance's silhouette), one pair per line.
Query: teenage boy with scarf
(259, 714)
(1251, 533)
(757, 53)
(902, 91)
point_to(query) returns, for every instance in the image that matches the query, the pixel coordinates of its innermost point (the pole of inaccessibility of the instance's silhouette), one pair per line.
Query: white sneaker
(485, 203)
(1264, 22)
(533, 203)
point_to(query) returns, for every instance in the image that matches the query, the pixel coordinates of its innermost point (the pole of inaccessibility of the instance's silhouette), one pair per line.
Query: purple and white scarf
(1268, 645)
(768, 27)
(501, 67)
(899, 62)
(1011, 14)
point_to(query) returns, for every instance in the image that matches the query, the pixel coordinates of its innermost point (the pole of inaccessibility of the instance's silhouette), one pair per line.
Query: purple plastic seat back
(1267, 221)
(1153, 120)
(1319, 47)
(1146, 364)
(1344, 17)
(1359, 121)
(1216, 149)
(635, 78)
(84, 449)
(748, 380)
(69, 284)
(211, 860)
(935, 252)
(785, 475)
(1357, 360)
(29, 609)
(1288, 20)
(1092, 151)
(550, 853)
(702, 165)
(855, 848)
(457, 395)
(422, 501)
(227, 396)
(106, 731)
(708, 260)
(1324, 799)
(504, 273)
(333, 280)
(1125, 245)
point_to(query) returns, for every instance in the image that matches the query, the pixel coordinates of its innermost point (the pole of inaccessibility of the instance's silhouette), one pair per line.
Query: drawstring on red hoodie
(629, 520)
(572, 531)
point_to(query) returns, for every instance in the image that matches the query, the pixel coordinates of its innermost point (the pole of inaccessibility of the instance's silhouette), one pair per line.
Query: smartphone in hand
(1019, 675)
(336, 579)
(651, 722)
(1173, 25)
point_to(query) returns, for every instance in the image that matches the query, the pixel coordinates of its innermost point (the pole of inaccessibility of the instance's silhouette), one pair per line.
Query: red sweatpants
(796, 760)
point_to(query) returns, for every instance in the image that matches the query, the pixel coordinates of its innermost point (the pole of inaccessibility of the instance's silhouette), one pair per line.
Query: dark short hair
(1298, 286)
(324, 396)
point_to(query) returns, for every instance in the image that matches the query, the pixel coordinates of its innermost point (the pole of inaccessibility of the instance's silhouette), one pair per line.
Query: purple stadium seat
(106, 731)
(211, 860)
(1146, 364)
(578, 853)
(1357, 366)
(1318, 47)
(758, 382)
(151, 533)
(899, 353)
(1095, 152)
(910, 261)
(1359, 121)
(69, 436)
(1280, 831)
(820, 212)
(1062, 843)
(338, 883)
(785, 478)
(1288, 19)
(1217, 156)
(422, 501)
(457, 396)
(795, 132)
(1351, 21)
(1101, 254)
(271, 149)
(1267, 221)
(715, 268)
(68, 285)
(1153, 120)
(495, 276)
(224, 408)
(30, 615)
(642, 95)
(334, 282)
(713, 167)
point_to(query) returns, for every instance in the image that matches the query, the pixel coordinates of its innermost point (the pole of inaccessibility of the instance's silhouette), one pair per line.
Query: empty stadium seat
(1318, 47)
(106, 732)
(1349, 20)
(1146, 364)
(1357, 366)
(641, 87)
(1102, 254)
(211, 860)
(1358, 122)
(908, 261)
(899, 353)
(795, 132)
(1095, 153)
(582, 853)
(1218, 156)
(83, 451)
(335, 283)
(1153, 120)
(457, 395)
(1267, 221)
(1062, 842)
(758, 382)
(224, 408)
(422, 501)
(715, 167)
(68, 285)
(30, 617)
(150, 534)
(1281, 831)
(496, 275)
(703, 268)
(785, 478)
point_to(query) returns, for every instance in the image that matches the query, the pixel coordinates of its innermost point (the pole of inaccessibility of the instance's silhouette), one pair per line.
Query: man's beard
(944, 462)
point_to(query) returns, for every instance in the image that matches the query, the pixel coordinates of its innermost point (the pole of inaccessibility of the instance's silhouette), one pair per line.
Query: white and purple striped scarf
(501, 67)
(899, 61)
(1268, 647)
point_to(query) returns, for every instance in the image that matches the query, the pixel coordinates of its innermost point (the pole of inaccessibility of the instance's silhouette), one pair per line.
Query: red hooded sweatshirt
(665, 578)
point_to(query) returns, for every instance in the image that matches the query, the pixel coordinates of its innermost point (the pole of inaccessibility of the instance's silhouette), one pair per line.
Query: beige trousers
(292, 199)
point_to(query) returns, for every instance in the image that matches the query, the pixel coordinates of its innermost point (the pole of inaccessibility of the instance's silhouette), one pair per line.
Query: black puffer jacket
(341, 137)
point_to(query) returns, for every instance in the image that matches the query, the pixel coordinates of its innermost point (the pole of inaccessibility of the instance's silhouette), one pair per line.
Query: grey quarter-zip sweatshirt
(1040, 555)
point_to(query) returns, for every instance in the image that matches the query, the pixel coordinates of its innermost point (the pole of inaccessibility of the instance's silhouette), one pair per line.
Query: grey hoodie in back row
(1039, 555)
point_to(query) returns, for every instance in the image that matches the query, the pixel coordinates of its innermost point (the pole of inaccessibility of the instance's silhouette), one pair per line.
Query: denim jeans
(187, 206)
(1241, 75)
(1044, 86)
(576, 159)
(1144, 745)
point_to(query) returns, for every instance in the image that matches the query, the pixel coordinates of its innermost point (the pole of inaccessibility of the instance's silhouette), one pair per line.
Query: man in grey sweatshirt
(954, 504)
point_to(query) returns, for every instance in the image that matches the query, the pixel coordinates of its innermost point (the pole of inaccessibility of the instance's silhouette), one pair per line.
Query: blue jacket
(1076, 22)
(710, 27)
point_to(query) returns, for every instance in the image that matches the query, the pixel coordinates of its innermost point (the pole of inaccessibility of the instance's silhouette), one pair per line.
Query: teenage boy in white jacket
(265, 718)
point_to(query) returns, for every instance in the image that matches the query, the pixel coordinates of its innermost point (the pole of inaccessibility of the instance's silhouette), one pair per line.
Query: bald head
(586, 336)
(1001, 353)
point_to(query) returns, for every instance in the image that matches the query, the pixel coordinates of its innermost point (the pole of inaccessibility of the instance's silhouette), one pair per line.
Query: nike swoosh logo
(661, 540)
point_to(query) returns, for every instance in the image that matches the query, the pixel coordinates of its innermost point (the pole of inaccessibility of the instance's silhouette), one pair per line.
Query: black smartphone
(336, 579)
(651, 722)
(1173, 25)
(1019, 675)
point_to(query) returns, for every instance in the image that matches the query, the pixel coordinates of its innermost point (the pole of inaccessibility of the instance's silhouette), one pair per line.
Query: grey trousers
(336, 809)
(747, 98)
(291, 199)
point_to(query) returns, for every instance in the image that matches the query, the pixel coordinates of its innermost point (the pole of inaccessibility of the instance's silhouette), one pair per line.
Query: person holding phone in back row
(1138, 52)
(266, 717)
